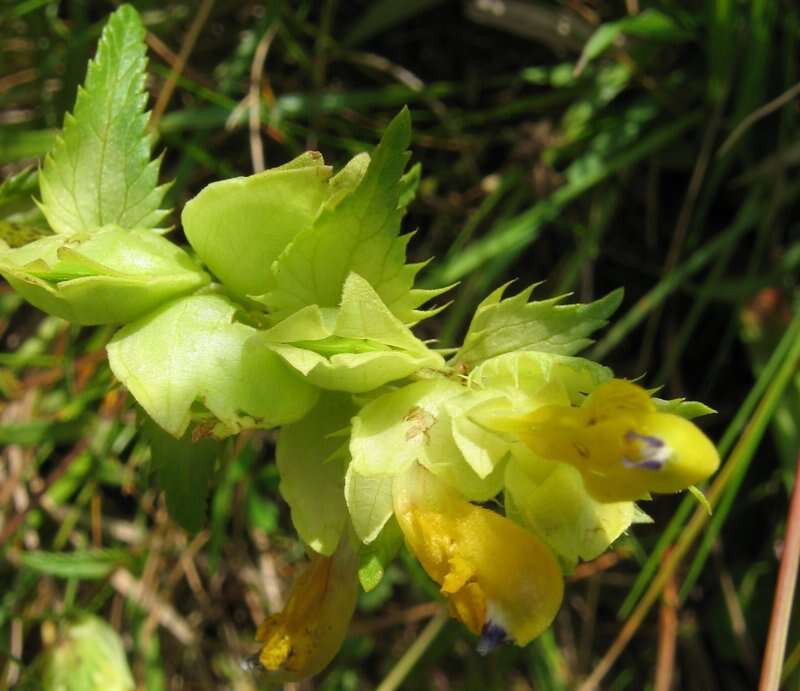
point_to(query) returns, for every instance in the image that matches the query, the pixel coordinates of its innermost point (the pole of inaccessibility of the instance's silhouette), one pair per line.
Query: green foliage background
(665, 163)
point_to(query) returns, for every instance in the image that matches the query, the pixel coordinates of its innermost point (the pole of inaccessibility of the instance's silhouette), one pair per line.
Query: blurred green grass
(665, 164)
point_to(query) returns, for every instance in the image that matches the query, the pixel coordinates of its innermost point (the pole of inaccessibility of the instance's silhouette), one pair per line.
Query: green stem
(415, 651)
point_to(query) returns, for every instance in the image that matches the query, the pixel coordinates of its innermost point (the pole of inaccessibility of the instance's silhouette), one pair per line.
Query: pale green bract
(423, 422)
(193, 351)
(507, 325)
(111, 276)
(99, 171)
(549, 498)
(358, 233)
(356, 347)
(312, 460)
(238, 227)
(369, 502)
(529, 379)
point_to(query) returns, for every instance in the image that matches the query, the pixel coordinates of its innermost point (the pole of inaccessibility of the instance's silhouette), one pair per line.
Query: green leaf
(18, 234)
(18, 190)
(193, 350)
(357, 234)
(312, 465)
(409, 186)
(99, 170)
(21, 221)
(650, 25)
(239, 227)
(682, 407)
(184, 469)
(89, 564)
(378, 554)
(87, 655)
(355, 348)
(109, 277)
(506, 325)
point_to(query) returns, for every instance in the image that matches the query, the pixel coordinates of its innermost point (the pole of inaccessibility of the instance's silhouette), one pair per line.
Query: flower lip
(492, 636)
(652, 452)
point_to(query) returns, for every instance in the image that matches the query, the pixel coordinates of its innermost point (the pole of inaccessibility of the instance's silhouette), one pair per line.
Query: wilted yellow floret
(500, 580)
(622, 446)
(303, 638)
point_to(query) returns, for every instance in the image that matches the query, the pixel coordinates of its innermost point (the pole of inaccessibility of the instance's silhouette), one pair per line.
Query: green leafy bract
(109, 277)
(312, 459)
(549, 498)
(192, 350)
(529, 379)
(239, 226)
(423, 422)
(376, 556)
(356, 233)
(682, 407)
(357, 347)
(99, 171)
(369, 502)
(503, 326)
(184, 468)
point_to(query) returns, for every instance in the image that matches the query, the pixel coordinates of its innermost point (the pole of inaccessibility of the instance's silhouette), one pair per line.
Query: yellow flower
(622, 446)
(500, 580)
(302, 639)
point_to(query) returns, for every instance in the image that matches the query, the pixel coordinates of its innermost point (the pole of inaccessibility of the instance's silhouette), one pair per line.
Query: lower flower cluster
(567, 448)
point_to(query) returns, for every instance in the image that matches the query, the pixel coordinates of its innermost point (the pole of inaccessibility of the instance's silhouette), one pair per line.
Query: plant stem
(784, 596)
(415, 651)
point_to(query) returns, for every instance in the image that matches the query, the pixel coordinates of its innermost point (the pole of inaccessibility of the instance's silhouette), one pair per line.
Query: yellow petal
(303, 638)
(501, 581)
(622, 446)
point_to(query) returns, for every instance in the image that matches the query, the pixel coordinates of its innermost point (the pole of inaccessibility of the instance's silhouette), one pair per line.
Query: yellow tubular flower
(302, 639)
(622, 446)
(500, 580)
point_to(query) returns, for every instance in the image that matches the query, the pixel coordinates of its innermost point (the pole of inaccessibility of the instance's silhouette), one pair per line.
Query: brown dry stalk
(183, 56)
(667, 637)
(784, 596)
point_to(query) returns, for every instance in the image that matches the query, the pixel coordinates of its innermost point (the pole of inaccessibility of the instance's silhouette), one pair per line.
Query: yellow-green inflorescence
(569, 449)
(500, 468)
